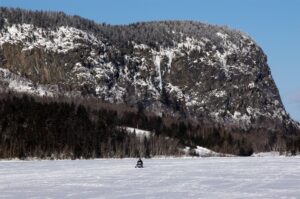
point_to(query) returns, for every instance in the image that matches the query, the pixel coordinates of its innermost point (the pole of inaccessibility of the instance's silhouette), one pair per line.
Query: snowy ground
(229, 177)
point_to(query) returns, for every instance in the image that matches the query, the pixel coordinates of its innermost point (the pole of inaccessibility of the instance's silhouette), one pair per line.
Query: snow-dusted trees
(154, 34)
(46, 19)
(53, 129)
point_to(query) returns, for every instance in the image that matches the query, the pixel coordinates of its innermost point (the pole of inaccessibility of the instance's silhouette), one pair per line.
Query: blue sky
(274, 24)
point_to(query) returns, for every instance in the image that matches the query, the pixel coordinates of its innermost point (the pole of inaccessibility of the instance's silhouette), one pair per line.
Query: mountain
(181, 69)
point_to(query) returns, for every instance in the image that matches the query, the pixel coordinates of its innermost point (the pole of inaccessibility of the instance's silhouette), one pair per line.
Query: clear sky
(274, 24)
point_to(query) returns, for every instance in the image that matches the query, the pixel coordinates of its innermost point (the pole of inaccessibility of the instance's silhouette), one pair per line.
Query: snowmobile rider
(139, 163)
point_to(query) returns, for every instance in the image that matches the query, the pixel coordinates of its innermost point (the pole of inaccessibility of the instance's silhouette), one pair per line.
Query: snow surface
(266, 154)
(203, 152)
(235, 177)
(138, 132)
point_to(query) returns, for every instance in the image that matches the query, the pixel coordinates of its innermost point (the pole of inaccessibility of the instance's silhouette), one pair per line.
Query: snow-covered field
(229, 177)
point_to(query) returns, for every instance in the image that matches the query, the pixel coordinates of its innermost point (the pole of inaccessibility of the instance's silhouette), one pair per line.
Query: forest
(60, 128)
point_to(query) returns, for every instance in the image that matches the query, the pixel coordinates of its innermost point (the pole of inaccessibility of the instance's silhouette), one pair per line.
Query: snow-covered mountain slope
(186, 69)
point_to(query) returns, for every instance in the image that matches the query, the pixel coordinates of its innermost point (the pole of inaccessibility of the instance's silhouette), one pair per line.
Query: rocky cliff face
(183, 69)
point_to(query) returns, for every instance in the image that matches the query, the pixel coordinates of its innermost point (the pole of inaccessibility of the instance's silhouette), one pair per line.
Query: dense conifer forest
(61, 128)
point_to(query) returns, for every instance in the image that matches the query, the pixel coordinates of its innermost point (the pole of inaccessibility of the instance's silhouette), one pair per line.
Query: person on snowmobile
(139, 163)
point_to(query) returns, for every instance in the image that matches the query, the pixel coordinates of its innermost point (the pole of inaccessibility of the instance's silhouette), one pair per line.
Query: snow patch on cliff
(61, 40)
(23, 85)
(157, 61)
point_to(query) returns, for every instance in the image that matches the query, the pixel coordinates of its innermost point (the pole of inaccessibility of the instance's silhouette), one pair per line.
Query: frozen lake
(234, 177)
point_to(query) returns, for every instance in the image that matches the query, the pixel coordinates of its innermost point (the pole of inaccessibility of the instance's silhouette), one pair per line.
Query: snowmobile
(139, 164)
